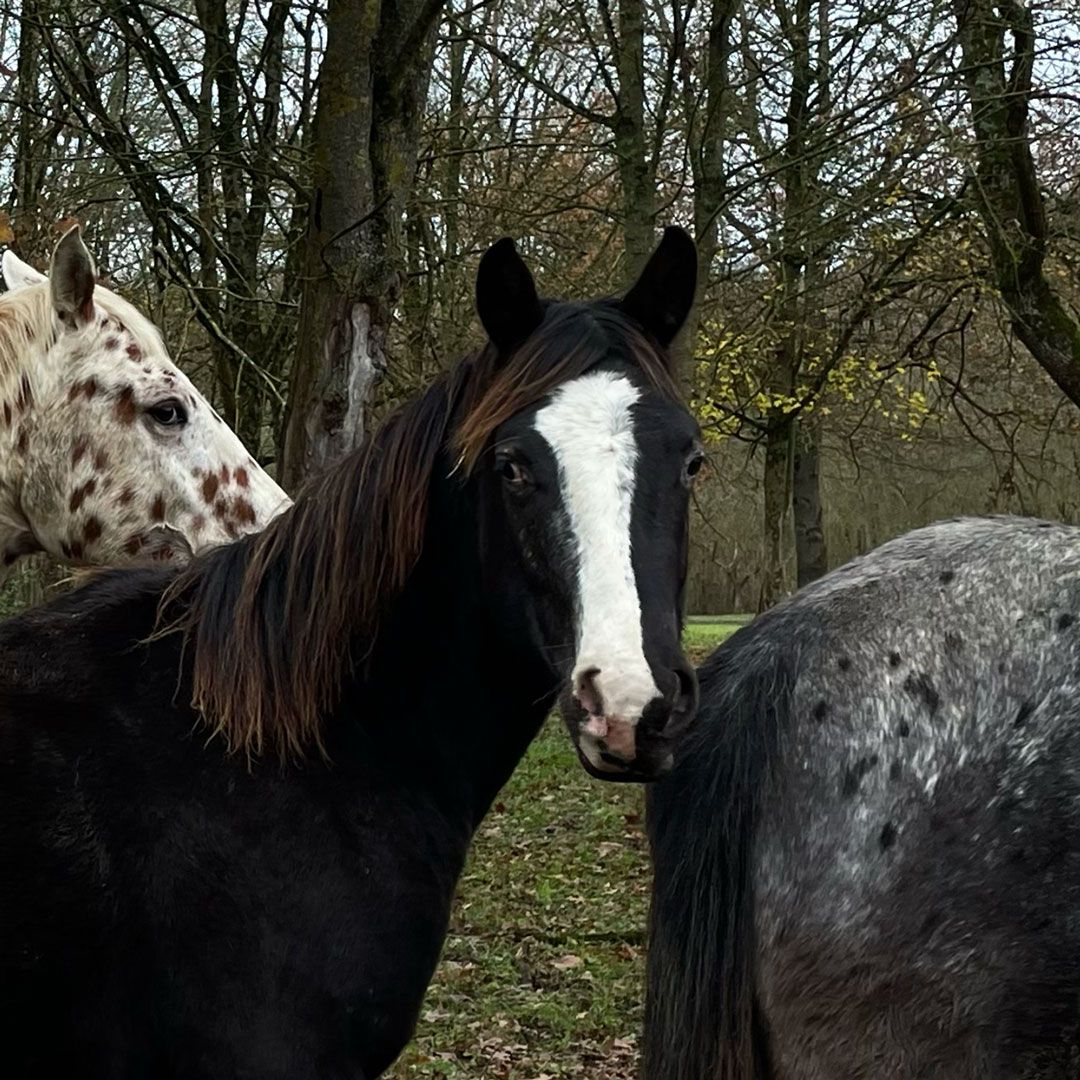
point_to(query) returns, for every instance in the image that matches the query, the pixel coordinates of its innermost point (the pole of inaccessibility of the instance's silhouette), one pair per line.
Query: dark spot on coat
(224, 474)
(843, 663)
(125, 497)
(920, 685)
(157, 508)
(821, 710)
(244, 511)
(894, 659)
(92, 530)
(895, 769)
(953, 641)
(134, 352)
(198, 523)
(134, 543)
(112, 343)
(82, 444)
(78, 496)
(89, 388)
(26, 394)
(101, 461)
(7, 414)
(904, 729)
(946, 576)
(1065, 621)
(888, 836)
(125, 406)
(1023, 714)
(221, 509)
(931, 923)
(23, 441)
(76, 549)
(853, 776)
(241, 477)
(210, 487)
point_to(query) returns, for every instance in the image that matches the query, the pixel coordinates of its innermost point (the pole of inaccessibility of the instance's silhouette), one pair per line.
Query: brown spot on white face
(124, 409)
(125, 497)
(92, 530)
(23, 441)
(157, 509)
(7, 414)
(241, 478)
(112, 343)
(244, 511)
(134, 352)
(224, 474)
(210, 487)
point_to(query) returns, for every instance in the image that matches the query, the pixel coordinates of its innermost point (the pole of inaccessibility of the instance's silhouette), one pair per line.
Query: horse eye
(168, 413)
(693, 466)
(512, 472)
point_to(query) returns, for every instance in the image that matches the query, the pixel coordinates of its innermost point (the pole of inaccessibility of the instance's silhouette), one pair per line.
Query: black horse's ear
(506, 297)
(662, 296)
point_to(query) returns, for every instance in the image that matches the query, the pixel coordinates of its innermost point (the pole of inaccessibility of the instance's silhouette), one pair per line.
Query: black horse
(234, 803)
(868, 854)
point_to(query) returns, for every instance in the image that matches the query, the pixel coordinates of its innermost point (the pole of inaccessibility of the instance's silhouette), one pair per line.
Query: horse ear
(72, 275)
(17, 274)
(506, 297)
(164, 543)
(662, 296)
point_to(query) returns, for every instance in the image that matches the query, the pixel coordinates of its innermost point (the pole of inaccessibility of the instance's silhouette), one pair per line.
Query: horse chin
(622, 774)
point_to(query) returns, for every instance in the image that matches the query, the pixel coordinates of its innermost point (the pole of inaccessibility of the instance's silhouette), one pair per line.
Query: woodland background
(884, 194)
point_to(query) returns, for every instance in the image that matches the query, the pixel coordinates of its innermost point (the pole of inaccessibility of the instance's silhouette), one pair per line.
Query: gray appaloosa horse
(868, 855)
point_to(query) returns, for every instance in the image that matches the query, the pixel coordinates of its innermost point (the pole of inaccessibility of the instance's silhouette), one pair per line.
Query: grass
(542, 973)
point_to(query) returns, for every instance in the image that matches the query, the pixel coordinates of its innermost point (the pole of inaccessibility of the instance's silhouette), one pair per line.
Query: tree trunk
(707, 148)
(373, 83)
(1006, 185)
(811, 557)
(777, 492)
(631, 144)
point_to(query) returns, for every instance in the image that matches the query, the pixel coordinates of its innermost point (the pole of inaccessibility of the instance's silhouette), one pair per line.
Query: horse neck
(448, 695)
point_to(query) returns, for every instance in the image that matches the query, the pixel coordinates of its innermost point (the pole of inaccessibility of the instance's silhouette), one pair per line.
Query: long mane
(274, 622)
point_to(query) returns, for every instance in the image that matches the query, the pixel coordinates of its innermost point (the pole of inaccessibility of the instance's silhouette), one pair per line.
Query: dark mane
(701, 1013)
(274, 622)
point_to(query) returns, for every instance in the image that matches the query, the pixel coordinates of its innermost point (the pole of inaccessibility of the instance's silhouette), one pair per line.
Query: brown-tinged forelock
(274, 622)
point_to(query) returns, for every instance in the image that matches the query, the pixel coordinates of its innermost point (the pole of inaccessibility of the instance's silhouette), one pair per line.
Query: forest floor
(542, 973)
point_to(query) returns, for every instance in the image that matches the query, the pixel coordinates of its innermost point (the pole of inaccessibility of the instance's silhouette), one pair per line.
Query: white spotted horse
(174, 910)
(867, 856)
(108, 453)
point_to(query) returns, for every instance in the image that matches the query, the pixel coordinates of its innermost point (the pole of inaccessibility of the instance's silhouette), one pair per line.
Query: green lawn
(541, 976)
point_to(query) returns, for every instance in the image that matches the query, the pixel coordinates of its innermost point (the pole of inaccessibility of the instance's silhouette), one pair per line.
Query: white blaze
(589, 426)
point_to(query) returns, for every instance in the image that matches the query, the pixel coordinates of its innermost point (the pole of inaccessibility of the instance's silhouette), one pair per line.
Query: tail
(701, 1017)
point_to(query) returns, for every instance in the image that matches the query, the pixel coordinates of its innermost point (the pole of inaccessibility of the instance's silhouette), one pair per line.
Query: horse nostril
(588, 693)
